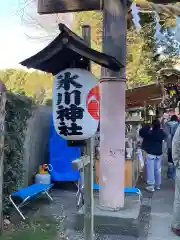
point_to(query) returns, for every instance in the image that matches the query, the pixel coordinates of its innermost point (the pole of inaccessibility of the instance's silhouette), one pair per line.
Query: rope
(168, 9)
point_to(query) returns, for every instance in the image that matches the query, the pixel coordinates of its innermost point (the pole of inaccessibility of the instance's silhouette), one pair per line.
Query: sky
(20, 37)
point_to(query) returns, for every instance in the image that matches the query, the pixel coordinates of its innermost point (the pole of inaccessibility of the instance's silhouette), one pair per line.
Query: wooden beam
(63, 6)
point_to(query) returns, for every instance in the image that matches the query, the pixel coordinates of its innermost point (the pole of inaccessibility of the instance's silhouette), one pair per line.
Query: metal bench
(79, 164)
(25, 195)
(127, 190)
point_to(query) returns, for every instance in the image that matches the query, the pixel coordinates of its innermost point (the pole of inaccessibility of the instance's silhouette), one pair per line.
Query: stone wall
(36, 141)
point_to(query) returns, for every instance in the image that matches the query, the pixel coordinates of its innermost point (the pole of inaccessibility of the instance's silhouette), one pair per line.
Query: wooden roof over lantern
(69, 50)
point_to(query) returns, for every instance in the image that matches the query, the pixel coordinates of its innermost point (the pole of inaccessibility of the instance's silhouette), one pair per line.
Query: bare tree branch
(40, 27)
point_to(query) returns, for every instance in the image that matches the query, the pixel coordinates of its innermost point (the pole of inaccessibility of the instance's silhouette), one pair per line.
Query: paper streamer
(136, 18)
(177, 35)
(158, 35)
(177, 29)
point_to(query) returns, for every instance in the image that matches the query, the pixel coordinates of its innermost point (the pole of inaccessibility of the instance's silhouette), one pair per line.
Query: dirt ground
(48, 220)
(41, 229)
(44, 220)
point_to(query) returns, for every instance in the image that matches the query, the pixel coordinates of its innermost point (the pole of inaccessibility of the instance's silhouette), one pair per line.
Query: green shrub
(18, 110)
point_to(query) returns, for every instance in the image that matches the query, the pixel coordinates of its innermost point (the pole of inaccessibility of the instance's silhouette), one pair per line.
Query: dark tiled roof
(68, 50)
(151, 93)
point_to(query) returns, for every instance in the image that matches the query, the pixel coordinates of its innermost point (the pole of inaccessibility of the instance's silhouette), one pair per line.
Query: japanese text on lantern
(69, 111)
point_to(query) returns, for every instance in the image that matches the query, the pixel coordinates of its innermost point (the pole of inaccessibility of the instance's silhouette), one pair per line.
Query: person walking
(176, 160)
(153, 137)
(170, 129)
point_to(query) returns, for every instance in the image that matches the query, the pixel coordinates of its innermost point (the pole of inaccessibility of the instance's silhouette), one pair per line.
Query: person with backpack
(153, 137)
(170, 129)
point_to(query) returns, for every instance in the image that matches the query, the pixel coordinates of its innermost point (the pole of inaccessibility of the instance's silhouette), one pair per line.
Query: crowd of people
(153, 136)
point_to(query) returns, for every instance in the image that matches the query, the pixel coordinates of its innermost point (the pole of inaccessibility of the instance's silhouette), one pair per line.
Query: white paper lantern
(75, 104)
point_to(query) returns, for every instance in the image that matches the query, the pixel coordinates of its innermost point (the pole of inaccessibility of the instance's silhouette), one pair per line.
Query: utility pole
(88, 169)
(112, 107)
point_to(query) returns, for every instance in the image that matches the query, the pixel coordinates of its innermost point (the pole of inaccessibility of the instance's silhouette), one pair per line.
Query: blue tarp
(61, 157)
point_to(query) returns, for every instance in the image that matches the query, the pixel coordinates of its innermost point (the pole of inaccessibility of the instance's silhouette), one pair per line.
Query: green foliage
(35, 228)
(143, 61)
(94, 19)
(142, 66)
(35, 84)
(138, 60)
(18, 110)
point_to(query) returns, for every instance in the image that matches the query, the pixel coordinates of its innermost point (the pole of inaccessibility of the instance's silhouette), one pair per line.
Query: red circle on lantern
(92, 102)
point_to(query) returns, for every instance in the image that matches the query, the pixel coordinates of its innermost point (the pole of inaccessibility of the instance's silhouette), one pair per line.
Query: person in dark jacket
(153, 137)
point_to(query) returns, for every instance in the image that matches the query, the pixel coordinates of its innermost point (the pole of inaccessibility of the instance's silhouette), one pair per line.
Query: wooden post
(112, 107)
(86, 34)
(88, 169)
(88, 195)
(2, 132)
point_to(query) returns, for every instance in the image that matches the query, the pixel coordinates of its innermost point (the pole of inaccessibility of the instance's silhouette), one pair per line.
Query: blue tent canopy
(61, 157)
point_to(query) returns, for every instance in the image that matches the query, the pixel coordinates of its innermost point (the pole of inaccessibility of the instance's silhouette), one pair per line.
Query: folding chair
(25, 195)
